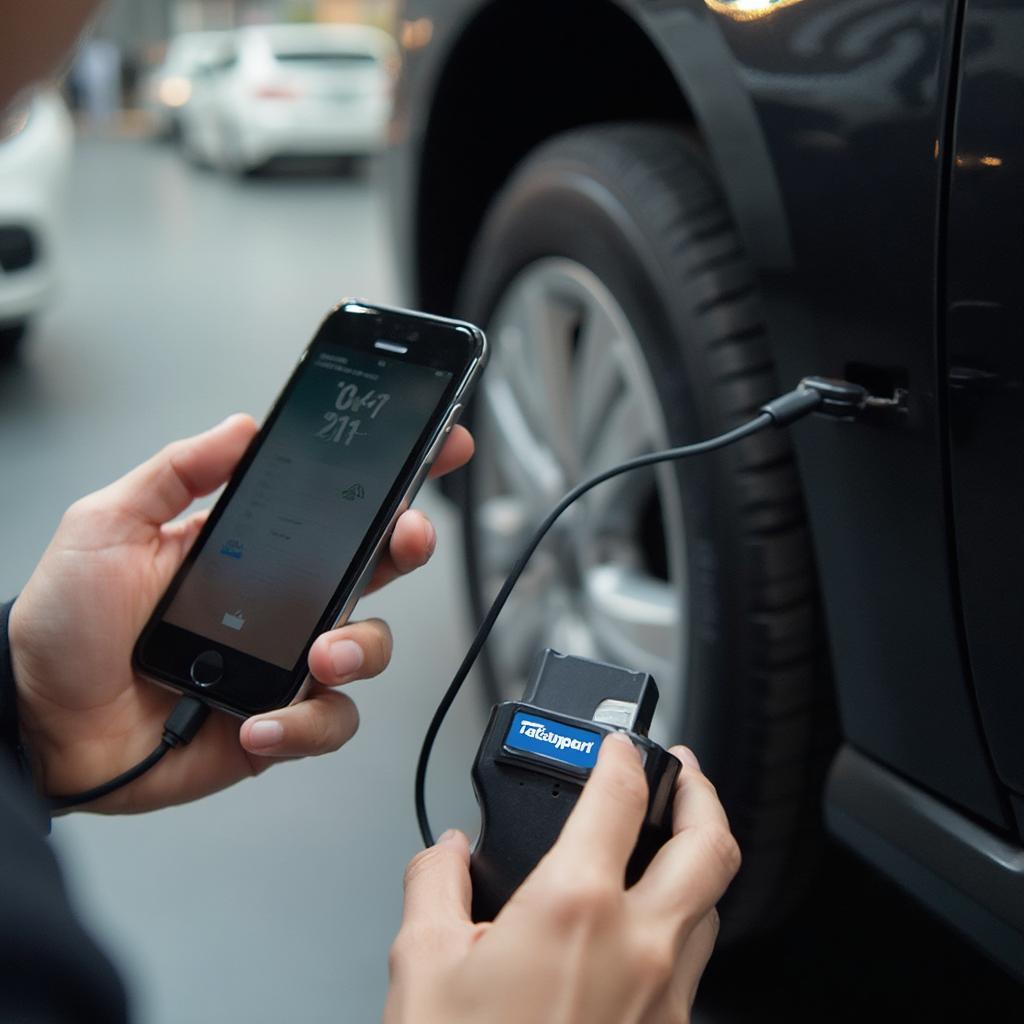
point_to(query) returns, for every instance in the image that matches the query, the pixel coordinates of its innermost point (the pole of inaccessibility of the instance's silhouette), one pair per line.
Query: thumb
(166, 484)
(437, 886)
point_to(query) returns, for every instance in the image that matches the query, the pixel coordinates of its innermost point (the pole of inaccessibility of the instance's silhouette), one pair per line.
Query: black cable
(60, 803)
(766, 419)
(182, 724)
(837, 398)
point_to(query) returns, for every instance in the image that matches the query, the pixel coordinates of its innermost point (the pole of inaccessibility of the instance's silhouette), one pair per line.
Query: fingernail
(618, 737)
(430, 533)
(448, 836)
(266, 734)
(621, 737)
(346, 657)
(689, 758)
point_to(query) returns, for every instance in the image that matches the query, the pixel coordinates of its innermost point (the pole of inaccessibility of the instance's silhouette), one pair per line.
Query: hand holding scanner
(537, 753)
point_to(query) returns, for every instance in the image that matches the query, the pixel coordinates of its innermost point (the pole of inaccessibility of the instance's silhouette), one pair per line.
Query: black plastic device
(537, 753)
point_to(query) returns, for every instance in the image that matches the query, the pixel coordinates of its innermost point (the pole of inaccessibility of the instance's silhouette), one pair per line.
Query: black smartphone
(294, 538)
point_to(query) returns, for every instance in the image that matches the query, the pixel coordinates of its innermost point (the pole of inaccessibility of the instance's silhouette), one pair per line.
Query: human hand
(573, 944)
(84, 713)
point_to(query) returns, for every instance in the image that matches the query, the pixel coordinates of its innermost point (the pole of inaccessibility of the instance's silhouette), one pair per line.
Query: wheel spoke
(597, 379)
(523, 624)
(622, 433)
(527, 465)
(535, 338)
(635, 619)
(503, 524)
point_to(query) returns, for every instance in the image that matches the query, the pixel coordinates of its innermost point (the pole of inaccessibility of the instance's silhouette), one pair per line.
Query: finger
(188, 527)
(165, 485)
(182, 533)
(695, 801)
(412, 543)
(437, 885)
(456, 452)
(693, 960)
(689, 874)
(603, 826)
(358, 650)
(676, 1004)
(317, 725)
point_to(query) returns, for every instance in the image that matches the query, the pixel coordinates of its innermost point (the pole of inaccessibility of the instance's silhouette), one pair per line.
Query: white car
(35, 161)
(170, 86)
(293, 90)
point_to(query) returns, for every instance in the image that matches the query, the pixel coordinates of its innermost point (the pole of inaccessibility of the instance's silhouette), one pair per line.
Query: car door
(984, 365)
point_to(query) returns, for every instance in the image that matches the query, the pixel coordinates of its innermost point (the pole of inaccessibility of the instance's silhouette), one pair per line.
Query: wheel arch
(678, 67)
(476, 129)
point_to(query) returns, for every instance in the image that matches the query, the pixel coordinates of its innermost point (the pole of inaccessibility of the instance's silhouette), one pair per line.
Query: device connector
(184, 721)
(591, 689)
(838, 398)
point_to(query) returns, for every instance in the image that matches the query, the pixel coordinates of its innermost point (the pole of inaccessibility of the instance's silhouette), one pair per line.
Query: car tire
(630, 218)
(11, 337)
(232, 158)
(192, 147)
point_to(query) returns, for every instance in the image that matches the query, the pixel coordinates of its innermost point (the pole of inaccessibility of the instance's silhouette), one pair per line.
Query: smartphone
(294, 538)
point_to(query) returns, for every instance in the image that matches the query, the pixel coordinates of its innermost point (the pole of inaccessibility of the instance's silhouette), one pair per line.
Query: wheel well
(522, 71)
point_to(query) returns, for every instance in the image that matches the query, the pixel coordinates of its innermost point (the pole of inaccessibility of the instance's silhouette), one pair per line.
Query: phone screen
(273, 560)
(285, 547)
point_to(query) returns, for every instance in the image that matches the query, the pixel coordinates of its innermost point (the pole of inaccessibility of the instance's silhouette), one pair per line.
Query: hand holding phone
(294, 539)
(85, 714)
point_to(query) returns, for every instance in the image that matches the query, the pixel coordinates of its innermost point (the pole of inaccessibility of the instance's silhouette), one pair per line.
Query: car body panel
(984, 364)
(850, 106)
(34, 167)
(972, 876)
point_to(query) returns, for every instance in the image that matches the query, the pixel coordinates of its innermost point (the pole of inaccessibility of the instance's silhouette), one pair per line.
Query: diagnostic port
(888, 387)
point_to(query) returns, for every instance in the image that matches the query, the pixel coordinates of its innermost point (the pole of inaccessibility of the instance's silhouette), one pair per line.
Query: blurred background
(149, 290)
(175, 217)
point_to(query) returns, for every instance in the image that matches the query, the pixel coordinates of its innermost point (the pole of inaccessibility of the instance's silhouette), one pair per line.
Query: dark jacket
(50, 969)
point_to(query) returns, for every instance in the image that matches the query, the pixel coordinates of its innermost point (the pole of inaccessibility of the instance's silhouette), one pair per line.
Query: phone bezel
(165, 652)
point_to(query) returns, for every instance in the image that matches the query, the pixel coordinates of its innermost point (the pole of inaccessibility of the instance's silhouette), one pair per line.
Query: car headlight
(174, 91)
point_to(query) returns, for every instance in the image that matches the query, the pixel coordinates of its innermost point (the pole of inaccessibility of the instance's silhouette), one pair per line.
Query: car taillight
(276, 91)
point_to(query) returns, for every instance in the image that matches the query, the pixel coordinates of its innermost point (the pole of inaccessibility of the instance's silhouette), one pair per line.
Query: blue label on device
(555, 740)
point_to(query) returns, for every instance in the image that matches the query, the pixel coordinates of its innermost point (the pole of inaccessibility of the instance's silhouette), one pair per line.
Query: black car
(664, 213)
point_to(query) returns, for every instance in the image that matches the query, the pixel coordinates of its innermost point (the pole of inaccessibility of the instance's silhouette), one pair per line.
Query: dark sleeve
(51, 972)
(8, 708)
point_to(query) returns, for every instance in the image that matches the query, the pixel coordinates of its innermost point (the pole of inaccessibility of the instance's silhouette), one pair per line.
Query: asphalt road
(188, 296)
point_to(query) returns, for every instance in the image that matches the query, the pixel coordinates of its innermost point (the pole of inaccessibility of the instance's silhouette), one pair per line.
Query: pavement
(188, 296)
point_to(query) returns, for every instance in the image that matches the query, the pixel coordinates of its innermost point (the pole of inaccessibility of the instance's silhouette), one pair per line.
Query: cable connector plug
(792, 406)
(184, 721)
(839, 398)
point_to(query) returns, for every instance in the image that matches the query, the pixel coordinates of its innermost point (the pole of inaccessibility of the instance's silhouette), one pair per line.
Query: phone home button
(207, 669)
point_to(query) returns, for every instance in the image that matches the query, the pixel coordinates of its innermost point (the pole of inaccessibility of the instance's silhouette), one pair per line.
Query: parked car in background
(35, 159)
(293, 90)
(169, 86)
(664, 213)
